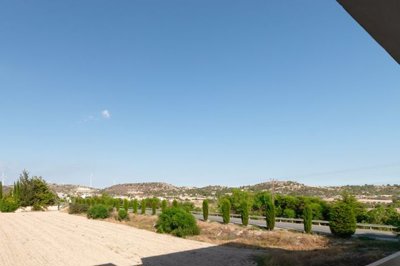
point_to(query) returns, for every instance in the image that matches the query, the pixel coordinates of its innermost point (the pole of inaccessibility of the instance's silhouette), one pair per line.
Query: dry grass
(213, 232)
(145, 222)
(282, 247)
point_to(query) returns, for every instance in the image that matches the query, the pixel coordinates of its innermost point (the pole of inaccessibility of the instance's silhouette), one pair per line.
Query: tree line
(342, 214)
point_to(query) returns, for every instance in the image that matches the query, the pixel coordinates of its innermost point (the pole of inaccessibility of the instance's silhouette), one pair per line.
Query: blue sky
(195, 93)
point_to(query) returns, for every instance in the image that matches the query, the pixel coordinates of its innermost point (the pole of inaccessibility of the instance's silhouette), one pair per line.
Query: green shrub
(122, 215)
(244, 212)
(270, 214)
(135, 206)
(117, 204)
(31, 190)
(307, 219)
(164, 205)
(226, 211)
(143, 206)
(186, 205)
(289, 213)
(98, 211)
(205, 210)
(8, 204)
(75, 208)
(342, 220)
(177, 222)
(126, 205)
(36, 207)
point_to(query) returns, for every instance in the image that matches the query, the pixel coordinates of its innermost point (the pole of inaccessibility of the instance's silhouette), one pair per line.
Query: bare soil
(57, 238)
(286, 248)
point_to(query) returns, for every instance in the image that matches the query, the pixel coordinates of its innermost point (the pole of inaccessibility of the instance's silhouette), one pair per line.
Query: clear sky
(195, 93)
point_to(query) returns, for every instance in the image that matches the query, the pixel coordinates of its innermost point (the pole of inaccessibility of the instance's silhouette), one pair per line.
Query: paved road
(320, 229)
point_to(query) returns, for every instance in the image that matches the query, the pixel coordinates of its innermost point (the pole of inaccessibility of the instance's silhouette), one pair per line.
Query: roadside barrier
(378, 227)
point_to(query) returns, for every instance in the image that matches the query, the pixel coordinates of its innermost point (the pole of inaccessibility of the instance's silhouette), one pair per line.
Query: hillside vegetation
(158, 189)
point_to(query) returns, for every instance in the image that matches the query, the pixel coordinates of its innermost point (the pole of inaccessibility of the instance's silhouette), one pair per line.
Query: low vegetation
(77, 208)
(98, 211)
(122, 215)
(178, 222)
(8, 204)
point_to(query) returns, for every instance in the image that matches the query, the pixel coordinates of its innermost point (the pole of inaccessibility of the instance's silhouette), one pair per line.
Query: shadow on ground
(233, 254)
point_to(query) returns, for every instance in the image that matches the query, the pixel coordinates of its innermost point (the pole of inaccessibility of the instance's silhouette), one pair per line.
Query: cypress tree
(117, 204)
(205, 210)
(226, 211)
(17, 190)
(14, 190)
(342, 220)
(244, 212)
(175, 203)
(307, 218)
(126, 205)
(143, 206)
(270, 214)
(153, 206)
(1, 190)
(164, 205)
(135, 206)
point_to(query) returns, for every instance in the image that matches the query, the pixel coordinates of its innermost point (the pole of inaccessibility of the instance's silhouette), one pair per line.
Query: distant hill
(147, 189)
(159, 189)
(298, 189)
(73, 190)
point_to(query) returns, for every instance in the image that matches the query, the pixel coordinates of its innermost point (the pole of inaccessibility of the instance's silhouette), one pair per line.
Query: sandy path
(54, 238)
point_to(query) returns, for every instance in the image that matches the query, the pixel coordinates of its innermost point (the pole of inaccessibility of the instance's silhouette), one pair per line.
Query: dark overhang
(381, 19)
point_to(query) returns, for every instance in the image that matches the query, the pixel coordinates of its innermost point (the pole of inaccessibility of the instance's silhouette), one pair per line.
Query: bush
(307, 218)
(244, 212)
(205, 210)
(177, 222)
(342, 220)
(289, 213)
(77, 208)
(226, 211)
(8, 204)
(186, 205)
(123, 215)
(270, 214)
(98, 211)
(36, 207)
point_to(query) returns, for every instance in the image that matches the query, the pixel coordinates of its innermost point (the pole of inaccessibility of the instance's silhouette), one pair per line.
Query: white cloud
(105, 114)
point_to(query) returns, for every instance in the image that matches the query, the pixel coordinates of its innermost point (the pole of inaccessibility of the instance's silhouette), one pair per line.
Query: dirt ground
(286, 248)
(57, 238)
